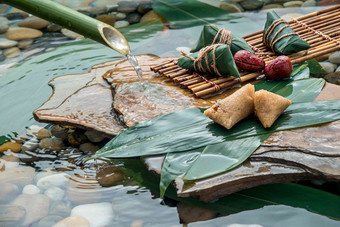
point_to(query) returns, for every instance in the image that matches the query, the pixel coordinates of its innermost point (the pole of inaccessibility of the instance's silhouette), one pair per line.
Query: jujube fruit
(247, 61)
(279, 68)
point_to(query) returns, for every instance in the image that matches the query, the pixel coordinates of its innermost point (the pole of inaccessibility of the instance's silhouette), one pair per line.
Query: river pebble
(19, 176)
(30, 189)
(55, 193)
(53, 27)
(133, 18)
(6, 43)
(108, 175)
(33, 22)
(8, 192)
(328, 67)
(14, 147)
(144, 7)
(60, 208)
(73, 221)
(36, 207)
(3, 24)
(272, 6)
(127, 6)
(43, 133)
(109, 19)
(309, 3)
(121, 24)
(94, 136)
(30, 145)
(70, 34)
(17, 15)
(251, 4)
(24, 44)
(10, 160)
(231, 7)
(98, 214)
(88, 148)
(23, 33)
(120, 16)
(49, 221)
(12, 52)
(292, 4)
(59, 132)
(55, 144)
(335, 57)
(59, 180)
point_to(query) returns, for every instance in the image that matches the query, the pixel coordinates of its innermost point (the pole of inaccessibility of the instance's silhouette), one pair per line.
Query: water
(133, 61)
(24, 88)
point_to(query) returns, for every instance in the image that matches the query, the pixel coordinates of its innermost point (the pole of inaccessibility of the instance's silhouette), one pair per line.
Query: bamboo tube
(75, 21)
(317, 54)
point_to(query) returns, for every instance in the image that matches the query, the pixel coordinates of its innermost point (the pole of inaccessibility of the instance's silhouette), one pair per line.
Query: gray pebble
(127, 7)
(133, 18)
(328, 67)
(335, 57)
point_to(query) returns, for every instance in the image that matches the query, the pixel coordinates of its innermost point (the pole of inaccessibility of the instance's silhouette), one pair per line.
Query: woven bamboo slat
(320, 29)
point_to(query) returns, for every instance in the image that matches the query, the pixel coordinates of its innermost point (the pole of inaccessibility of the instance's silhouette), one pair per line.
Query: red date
(247, 61)
(279, 68)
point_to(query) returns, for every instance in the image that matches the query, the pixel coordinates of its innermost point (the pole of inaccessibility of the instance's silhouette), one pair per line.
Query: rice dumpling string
(225, 37)
(270, 30)
(204, 54)
(315, 31)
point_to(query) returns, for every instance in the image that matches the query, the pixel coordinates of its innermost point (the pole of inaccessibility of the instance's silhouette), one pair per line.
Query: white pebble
(59, 180)
(30, 189)
(55, 193)
(121, 24)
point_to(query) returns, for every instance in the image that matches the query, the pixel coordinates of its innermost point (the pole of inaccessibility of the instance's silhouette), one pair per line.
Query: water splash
(133, 61)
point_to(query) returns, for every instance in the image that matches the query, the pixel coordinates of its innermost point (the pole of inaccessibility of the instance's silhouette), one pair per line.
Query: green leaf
(315, 67)
(3, 139)
(289, 194)
(221, 157)
(190, 129)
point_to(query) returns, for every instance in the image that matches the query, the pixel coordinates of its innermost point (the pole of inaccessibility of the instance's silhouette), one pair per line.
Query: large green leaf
(190, 129)
(289, 194)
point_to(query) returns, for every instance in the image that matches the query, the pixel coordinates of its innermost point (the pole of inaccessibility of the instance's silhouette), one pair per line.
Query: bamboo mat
(320, 29)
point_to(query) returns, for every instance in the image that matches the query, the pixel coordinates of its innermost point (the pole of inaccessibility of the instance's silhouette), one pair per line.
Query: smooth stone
(14, 147)
(33, 130)
(251, 4)
(70, 34)
(120, 16)
(2, 57)
(11, 215)
(33, 22)
(150, 16)
(232, 7)
(49, 221)
(188, 213)
(289, 16)
(43, 133)
(19, 176)
(16, 15)
(55, 193)
(272, 6)
(73, 221)
(334, 57)
(55, 144)
(108, 175)
(53, 27)
(133, 18)
(6, 43)
(77, 138)
(30, 145)
(10, 161)
(44, 173)
(24, 44)
(329, 2)
(333, 78)
(23, 33)
(8, 165)
(30, 189)
(88, 148)
(97, 10)
(60, 208)
(309, 3)
(328, 67)
(12, 52)
(8, 192)
(94, 136)
(3, 24)
(121, 24)
(127, 6)
(292, 4)
(36, 207)
(70, 154)
(109, 19)
(59, 180)
(144, 7)
(337, 69)
(98, 214)
(111, 8)
(59, 132)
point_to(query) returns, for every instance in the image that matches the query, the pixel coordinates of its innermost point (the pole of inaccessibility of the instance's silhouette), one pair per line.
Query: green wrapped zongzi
(280, 37)
(215, 59)
(212, 35)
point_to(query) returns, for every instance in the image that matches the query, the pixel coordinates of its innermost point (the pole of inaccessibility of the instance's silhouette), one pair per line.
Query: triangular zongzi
(280, 37)
(208, 37)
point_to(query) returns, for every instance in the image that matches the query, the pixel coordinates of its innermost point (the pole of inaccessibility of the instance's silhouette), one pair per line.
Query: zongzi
(215, 59)
(280, 37)
(234, 108)
(212, 35)
(269, 106)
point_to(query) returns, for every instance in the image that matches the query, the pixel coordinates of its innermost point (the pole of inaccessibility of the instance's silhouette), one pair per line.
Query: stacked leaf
(208, 35)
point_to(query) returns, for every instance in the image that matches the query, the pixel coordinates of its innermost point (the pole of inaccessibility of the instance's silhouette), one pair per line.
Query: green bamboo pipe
(75, 21)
